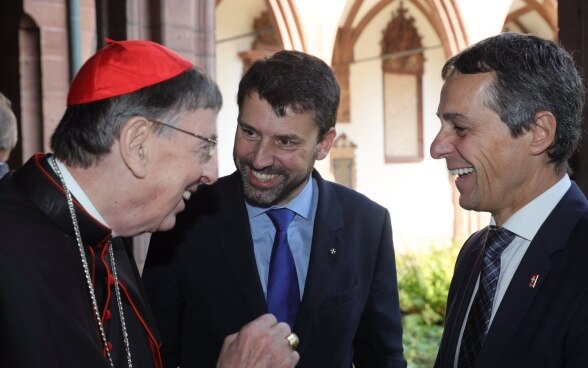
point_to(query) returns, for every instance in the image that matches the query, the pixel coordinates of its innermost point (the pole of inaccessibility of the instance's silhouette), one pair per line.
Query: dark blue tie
(481, 310)
(283, 294)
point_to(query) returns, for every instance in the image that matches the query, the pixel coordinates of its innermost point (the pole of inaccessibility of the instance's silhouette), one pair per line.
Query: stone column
(573, 34)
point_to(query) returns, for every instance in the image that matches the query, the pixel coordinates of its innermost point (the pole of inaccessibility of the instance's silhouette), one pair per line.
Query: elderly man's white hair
(8, 130)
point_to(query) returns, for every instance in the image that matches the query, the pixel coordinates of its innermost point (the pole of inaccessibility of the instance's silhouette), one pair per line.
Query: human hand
(260, 344)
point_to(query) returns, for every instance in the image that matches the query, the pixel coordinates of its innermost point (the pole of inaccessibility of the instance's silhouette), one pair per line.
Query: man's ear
(132, 145)
(542, 132)
(326, 143)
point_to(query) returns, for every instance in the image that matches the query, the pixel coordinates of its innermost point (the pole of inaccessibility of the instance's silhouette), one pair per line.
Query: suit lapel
(515, 303)
(468, 265)
(551, 238)
(237, 246)
(322, 263)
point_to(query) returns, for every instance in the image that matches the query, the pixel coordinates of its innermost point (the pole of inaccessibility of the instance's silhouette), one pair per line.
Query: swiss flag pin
(533, 280)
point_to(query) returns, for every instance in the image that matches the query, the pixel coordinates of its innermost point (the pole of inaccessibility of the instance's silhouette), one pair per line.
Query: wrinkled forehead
(464, 91)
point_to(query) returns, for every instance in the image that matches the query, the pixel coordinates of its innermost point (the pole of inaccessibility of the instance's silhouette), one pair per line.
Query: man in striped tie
(511, 117)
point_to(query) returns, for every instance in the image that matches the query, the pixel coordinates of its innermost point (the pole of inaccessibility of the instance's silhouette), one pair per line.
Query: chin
(167, 224)
(469, 205)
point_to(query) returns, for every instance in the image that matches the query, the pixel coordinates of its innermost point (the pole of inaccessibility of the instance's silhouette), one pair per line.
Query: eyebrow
(292, 137)
(279, 136)
(242, 123)
(453, 116)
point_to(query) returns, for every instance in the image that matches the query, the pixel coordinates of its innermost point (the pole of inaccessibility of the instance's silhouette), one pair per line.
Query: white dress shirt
(525, 223)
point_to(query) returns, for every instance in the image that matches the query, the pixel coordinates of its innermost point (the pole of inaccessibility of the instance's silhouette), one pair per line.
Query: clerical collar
(79, 194)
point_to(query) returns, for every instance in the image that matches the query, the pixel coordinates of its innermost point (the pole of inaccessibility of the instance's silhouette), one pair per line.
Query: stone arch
(285, 17)
(288, 22)
(546, 10)
(275, 29)
(443, 15)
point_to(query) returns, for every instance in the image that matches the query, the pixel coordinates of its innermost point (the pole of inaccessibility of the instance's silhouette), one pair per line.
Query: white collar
(527, 221)
(77, 191)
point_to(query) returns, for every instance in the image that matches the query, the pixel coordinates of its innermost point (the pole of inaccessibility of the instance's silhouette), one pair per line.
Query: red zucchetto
(123, 67)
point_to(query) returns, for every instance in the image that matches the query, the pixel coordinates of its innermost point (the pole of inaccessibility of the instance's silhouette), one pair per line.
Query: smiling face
(179, 165)
(275, 155)
(496, 172)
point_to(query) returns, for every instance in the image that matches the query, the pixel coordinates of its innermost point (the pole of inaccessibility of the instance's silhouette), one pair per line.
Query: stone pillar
(187, 26)
(573, 34)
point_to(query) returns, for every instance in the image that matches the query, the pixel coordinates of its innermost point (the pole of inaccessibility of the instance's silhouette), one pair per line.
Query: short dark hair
(87, 131)
(531, 74)
(295, 80)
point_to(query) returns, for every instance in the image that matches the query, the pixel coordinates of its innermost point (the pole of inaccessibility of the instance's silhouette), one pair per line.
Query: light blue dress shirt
(299, 233)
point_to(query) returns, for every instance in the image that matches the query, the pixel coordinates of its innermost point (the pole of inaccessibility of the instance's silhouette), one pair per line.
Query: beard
(267, 197)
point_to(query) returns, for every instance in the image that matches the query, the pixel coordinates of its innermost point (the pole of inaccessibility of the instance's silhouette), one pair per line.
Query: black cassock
(46, 314)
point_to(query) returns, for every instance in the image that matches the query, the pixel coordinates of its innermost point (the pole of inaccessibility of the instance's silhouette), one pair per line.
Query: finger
(265, 320)
(229, 339)
(281, 329)
(286, 358)
(295, 358)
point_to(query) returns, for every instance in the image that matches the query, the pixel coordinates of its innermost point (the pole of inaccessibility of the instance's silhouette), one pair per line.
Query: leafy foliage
(423, 283)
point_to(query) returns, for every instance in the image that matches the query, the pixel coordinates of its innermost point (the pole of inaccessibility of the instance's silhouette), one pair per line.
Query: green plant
(423, 283)
(420, 340)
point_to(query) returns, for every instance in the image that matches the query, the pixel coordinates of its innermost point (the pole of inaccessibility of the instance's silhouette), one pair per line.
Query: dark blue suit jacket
(203, 283)
(545, 326)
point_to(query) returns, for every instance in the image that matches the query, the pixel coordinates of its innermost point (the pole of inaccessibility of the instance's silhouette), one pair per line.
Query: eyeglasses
(210, 142)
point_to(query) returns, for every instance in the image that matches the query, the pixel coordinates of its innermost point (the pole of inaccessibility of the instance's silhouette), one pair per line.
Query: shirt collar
(301, 204)
(527, 221)
(77, 191)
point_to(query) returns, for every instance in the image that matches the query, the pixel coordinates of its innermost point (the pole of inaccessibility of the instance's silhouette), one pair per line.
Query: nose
(263, 155)
(441, 145)
(210, 170)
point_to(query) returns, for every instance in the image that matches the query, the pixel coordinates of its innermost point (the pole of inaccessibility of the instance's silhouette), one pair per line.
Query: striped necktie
(479, 317)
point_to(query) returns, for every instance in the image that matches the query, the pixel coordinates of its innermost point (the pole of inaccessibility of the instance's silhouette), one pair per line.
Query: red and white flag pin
(533, 280)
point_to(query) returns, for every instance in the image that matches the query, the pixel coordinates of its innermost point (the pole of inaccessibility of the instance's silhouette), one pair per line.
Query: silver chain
(89, 279)
(120, 306)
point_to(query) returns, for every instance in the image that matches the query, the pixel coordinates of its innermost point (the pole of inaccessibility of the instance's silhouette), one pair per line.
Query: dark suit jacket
(203, 283)
(544, 326)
